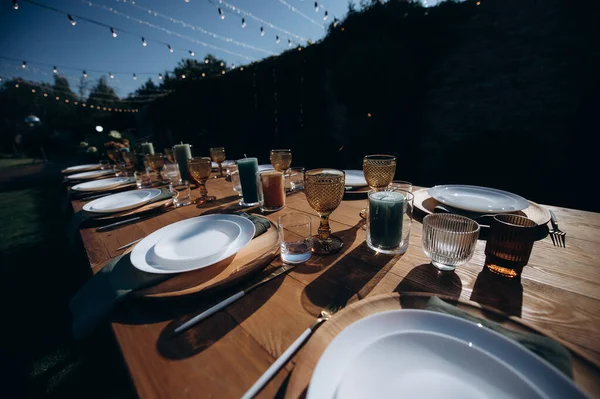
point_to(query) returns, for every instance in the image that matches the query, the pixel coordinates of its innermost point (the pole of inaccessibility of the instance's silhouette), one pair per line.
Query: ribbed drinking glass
(449, 240)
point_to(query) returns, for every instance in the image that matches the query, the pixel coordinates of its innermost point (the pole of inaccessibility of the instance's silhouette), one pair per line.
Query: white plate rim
(91, 174)
(325, 377)
(352, 172)
(521, 203)
(138, 255)
(82, 168)
(152, 193)
(118, 182)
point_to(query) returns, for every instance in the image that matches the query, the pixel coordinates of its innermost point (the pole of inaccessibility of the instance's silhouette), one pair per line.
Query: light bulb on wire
(160, 76)
(206, 60)
(243, 22)
(144, 42)
(316, 7)
(54, 70)
(222, 64)
(134, 76)
(183, 76)
(289, 43)
(24, 64)
(325, 16)
(335, 22)
(221, 13)
(113, 32)
(262, 31)
(110, 75)
(15, 5)
(192, 53)
(84, 74)
(277, 39)
(73, 22)
(170, 48)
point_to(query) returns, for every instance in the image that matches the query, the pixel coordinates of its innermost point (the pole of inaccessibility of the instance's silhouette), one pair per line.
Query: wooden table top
(559, 292)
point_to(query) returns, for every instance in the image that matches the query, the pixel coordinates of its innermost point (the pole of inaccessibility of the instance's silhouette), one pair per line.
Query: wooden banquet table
(559, 293)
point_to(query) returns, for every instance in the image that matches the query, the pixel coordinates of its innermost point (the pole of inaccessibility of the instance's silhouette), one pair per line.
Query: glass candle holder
(121, 169)
(295, 238)
(182, 194)
(509, 245)
(449, 240)
(143, 179)
(296, 179)
(171, 173)
(400, 185)
(389, 219)
(271, 190)
(248, 167)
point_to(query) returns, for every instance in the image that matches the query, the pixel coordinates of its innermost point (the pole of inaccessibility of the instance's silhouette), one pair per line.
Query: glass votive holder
(449, 240)
(509, 244)
(389, 219)
(271, 190)
(104, 164)
(296, 178)
(182, 194)
(143, 179)
(121, 169)
(400, 185)
(170, 173)
(295, 238)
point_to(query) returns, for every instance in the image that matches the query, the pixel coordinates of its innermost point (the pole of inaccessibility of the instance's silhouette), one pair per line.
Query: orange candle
(272, 185)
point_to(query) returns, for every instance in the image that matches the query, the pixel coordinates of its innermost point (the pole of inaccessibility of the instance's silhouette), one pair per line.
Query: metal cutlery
(117, 224)
(283, 269)
(559, 237)
(325, 315)
(130, 244)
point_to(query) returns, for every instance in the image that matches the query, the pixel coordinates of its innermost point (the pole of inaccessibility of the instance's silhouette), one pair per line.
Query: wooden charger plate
(252, 258)
(586, 372)
(535, 212)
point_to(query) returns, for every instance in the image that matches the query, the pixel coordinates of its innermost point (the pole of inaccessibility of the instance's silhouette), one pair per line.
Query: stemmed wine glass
(200, 168)
(218, 156)
(324, 189)
(379, 172)
(170, 155)
(156, 163)
(281, 160)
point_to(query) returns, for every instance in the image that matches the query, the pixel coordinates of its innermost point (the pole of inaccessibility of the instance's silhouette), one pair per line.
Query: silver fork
(559, 237)
(325, 315)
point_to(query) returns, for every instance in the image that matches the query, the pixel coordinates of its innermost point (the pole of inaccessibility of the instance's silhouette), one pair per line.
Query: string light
(222, 64)
(221, 13)
(289, 43)
(114, 33)
(144, 42)
(325, 16)
(75, 103)
(24, 64)
(67, 100)
(73, 22)
(54, 70)
(192, 53)
(57, 98)
(45, 94)
(84, 74)
(232, 66)
(295, 10)
(241, 68)
(262, 31)
(277, 39)
(223, 72)
(316, 7)
(92, 106)
(206, 60)
(203, 75)
(170, 48)
(17, 85)
(183, 76)
(335, 22)
(134, 76)
(15, 5)
(160, 76)
(110, 75)
(243, 22)
(33, 90)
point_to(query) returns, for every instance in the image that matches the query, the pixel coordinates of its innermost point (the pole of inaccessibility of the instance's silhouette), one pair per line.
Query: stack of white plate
(91, 174)
(122, 201)
(478, 199)
(82, 168)
(192, 244)
(100, 185)
(423, 354)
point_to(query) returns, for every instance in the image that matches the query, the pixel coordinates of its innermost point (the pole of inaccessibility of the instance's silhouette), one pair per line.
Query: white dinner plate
(266, 166)
(99, 185)
(143, 257)
(478, 199)
(355, 178)
(224, 164)
(82, 168)
(420, 364)
(203, 241)
(122, 201)
(91, 174)
(347, 345)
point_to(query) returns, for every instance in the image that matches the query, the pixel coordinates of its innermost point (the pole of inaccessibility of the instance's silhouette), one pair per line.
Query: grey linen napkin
(98, 297)
(546, 348)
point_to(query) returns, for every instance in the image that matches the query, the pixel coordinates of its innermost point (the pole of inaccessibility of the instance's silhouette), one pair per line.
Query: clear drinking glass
(400, 185)
(104, 164)
(143, 179)
(295, 237)
(121, 169)
(182, 194)
(171, 173)
(389, 219)
(324, 189)
(296, 179)
(271, 190)
(200, 169)
(509, 245)
(449, 240)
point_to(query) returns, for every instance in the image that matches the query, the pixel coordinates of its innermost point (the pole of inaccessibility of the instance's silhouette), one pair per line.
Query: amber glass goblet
(200, 168)
(156, 163)
(379, 172)
(218, 155)
(324, 189)
(281, 159)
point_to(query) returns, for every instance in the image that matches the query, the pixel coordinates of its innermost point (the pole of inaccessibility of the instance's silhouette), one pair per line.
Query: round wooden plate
(535, 212)
(252, 258)
(586, 372)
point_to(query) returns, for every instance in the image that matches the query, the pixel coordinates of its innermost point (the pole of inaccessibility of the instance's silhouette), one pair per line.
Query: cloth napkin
(546, 348)
(98, 297)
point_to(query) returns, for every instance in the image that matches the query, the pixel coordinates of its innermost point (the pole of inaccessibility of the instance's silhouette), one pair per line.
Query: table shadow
(498, 292)
(427, 278)
(217, 203)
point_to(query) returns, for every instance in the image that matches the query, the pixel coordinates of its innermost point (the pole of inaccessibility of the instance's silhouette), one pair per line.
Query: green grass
(22, 219)
(12, 162)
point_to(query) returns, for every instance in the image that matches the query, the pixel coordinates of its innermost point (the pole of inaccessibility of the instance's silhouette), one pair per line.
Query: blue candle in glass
(386, 211)
(248, 167)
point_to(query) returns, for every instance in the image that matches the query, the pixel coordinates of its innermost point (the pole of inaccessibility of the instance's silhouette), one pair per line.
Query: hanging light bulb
(0, 78)
(289, 43)
(232, 66)
(84, 74)
(243, 22)
(73, 22)
(144, 42)
(24, 65)
(262, 31)
(110, 75)
(223, 72)
(192, 53)
(170, 48)
(335, 22)
(114, 33)
(206, 60)
(203, 75)
(222, 64)
(316, 7)
(325, 16)
(183, 76)
(277, 39)
(134, 76)
(160, 76)
(54, 70)
(221, 13)
(15, 5)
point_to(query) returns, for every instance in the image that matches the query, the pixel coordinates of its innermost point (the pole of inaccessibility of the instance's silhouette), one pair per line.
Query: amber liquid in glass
(156, 162)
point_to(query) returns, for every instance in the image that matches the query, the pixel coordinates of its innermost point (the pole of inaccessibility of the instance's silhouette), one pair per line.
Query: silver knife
(130, 244)
(231, 299)
(110, 226)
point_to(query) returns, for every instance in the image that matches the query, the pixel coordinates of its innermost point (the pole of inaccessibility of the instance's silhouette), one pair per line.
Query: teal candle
(386, 210)
(248, 167)
(147, 148)
(182, 152)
